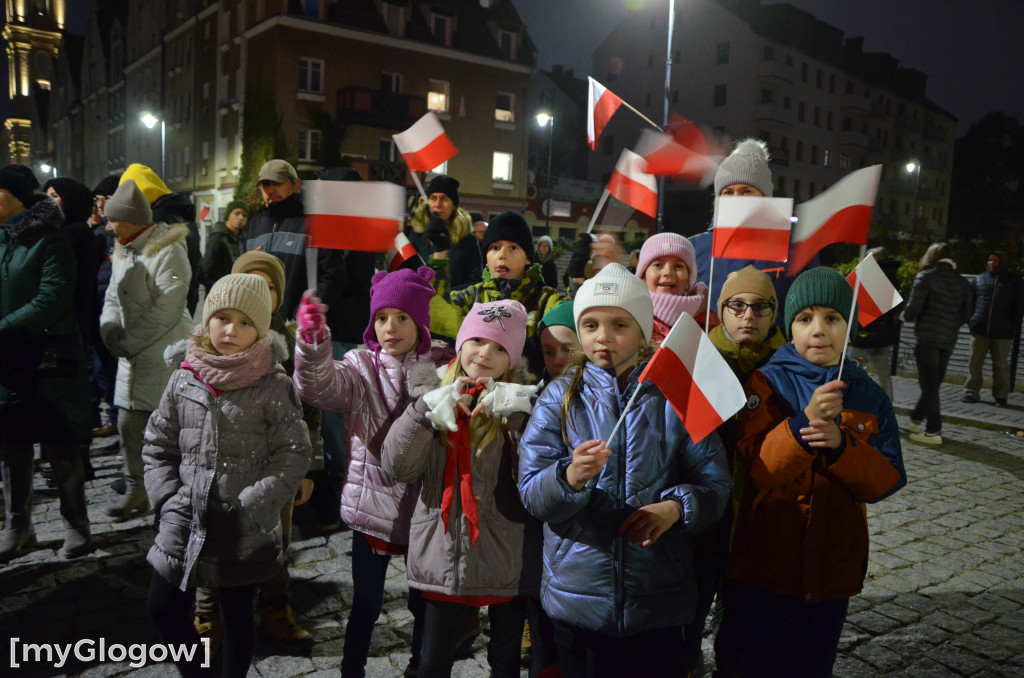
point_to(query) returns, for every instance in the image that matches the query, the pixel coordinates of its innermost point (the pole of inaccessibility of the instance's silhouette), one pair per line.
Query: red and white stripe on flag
(204, 212)
(402, 251)
(752, 228)
(601, 106)
(665, 156)
(632, 185)
(353, 215)
(695, 378)
(876, 296)
(425, 145)
(840, 214)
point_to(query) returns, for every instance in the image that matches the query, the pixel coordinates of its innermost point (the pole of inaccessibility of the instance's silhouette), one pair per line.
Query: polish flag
(204, 212)
(401, 252)
(632, 185)
(601, 106)
(752, 228)
(876, 295)
(840, 214)
(425, 145)
(353, 215)
(695, 378)
(666, 156)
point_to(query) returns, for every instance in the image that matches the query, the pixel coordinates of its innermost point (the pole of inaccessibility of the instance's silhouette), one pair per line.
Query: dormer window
(394, 17)
(442, 27)
(507, 42)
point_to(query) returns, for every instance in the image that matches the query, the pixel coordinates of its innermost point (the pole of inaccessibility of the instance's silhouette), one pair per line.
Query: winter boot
(15, 543)
(77, 543)
(278, 624)
(126, 505)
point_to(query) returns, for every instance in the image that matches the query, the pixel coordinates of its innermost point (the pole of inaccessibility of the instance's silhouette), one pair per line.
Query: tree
(262, 136)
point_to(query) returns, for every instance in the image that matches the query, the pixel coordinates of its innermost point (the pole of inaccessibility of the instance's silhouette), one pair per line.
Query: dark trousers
(170, 610)
(369, 571)
(16, 469)
(779, 636)
(588, 654)
(708, 568)
(442, 622)
(543, 650)
(932, 360)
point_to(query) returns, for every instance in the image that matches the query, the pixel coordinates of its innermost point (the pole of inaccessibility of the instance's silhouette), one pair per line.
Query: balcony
(854, 139)
(775, 73)
(773, 113)
(378, 108)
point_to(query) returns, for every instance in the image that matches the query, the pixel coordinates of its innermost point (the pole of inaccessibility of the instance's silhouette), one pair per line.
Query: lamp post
(914, 168)
(543, 119)
(47, 169)
(150, 120)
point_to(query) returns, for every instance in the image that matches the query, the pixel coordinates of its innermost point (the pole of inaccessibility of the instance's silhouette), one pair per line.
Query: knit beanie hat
(17, 184)
(148, 181)
(509, 226)
(559, 315)
(408, 291)
(615, 286)
(236, 205)
(503, 322)
(107, 185)
(25, 171)
(75, 198)
(443, 183)
(748, 280)
(748, 164)
(243, 292)
(250, 262)
(820, 286)
(129, 204)
(668, 245)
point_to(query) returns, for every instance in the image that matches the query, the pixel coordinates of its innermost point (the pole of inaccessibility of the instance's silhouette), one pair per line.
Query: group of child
(611, 544)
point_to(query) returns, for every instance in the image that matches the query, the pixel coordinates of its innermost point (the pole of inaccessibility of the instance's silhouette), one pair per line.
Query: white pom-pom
(752, 147)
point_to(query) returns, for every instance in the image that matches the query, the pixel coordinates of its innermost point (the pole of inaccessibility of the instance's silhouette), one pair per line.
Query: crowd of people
(458, 413)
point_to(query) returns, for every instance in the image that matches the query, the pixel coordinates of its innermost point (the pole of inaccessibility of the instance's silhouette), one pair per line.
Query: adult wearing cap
(225, 243)
(44, 393)
(143, 312)
(438, 224)
(273, 229)
(171, 208)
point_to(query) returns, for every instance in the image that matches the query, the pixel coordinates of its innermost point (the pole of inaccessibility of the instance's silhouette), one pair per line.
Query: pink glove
(312, 326)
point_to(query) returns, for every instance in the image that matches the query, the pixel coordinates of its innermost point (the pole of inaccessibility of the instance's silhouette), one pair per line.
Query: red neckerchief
(458, 469)
(137, 234)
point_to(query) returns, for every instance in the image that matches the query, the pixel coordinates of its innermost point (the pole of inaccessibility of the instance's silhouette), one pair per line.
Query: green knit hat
(234, 205)
(821, 286)
(559, 315)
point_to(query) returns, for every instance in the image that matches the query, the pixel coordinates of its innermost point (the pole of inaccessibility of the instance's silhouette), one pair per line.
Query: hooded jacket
(940, 302)
(144, 311)
(223, 246)
(593, 577)
(998, 302)
(801, 525)
(219, 469)
(371, 389)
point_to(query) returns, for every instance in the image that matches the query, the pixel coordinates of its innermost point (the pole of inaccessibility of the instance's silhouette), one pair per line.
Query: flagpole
(645, 118)
(711, 272)
(419, 186)
(668, 83)
(622, 417)
(600, 206)
(849, 326)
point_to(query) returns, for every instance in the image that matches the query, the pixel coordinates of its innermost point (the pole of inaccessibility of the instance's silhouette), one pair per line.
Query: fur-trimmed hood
(41, 218)
(161, 235)
(460, 226)
(174, 354)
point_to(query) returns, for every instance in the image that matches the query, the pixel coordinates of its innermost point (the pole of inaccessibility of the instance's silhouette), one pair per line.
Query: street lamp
(914, 168)
(150, 120)
(47, 169)
(544, 119)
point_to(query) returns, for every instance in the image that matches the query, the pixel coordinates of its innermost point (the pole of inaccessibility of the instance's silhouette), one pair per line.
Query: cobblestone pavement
(944, 594)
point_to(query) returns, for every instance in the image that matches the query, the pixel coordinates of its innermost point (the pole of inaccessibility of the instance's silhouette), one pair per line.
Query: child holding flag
(668, 268)
(811, 451)
(618, 574)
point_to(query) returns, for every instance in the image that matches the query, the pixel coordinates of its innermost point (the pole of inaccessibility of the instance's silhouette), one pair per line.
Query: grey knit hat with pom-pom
(748, 164)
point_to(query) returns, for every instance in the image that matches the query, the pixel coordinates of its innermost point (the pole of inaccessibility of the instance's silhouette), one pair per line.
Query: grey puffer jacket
(144, 312)
(371, 390)
(505, 560)
(219, 469)
(940, 302)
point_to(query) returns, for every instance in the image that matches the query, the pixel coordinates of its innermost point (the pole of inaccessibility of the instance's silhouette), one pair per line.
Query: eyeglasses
(761, 309)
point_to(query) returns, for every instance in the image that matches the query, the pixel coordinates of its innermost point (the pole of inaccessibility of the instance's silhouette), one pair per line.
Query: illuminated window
(502, 167)
(504, 108)
(437, 96)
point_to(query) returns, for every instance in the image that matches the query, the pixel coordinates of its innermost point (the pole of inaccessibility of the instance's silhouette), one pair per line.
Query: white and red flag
(601, 106)
(667, 156)
(876, 295)
(695, 378)
(840, 214)
(632, 185)
(353, 215)
(425, 145)
(752, 228)
(401, 252)
(204, 212)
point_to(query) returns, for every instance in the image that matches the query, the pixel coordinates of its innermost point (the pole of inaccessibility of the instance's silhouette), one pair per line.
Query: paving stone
(283, 666)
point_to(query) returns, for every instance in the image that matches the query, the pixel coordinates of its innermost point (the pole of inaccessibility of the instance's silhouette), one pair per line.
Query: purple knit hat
(408, 291)
(668, 245)
(503, 322)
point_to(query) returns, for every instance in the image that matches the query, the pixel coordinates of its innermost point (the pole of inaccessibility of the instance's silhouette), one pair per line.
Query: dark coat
(175, 208)
(940, 302)
(998, 303)
(222, 248)
(44, 391)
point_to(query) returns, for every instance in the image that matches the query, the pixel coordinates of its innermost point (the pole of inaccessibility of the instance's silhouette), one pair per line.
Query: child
(618, 579)
(812, 451)
(667, 267)
(371, 387)
(747, 307)
(557, 340)
(225, 450)
(471, 543)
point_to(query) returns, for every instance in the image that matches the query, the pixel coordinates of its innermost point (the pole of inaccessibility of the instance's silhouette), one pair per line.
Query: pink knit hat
(408, 291)
(668, 245)
(503, 322)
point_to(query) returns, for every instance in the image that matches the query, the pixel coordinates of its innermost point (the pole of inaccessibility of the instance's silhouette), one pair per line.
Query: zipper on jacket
(619, 546)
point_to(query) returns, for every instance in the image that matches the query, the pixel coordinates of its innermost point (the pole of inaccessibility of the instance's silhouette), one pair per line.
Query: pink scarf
(668, 307)
(231, 372)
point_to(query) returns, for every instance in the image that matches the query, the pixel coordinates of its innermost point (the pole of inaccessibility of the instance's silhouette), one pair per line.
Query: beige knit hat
(257, 260)
(128, 204)
(243, 292)
(748, 280)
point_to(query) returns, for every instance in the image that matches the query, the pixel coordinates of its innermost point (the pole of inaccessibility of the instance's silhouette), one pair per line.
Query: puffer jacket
(144, 312)
(998, 303)
(505, 559)
(940, 302)
(218, 471)
(593, 577)
(801, 526)
(371, 390)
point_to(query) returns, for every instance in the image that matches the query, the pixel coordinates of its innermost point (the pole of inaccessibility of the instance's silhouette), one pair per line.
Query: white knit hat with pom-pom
(748, 164)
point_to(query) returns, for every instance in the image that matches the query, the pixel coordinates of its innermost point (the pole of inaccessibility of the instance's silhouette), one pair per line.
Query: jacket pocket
(860, 424)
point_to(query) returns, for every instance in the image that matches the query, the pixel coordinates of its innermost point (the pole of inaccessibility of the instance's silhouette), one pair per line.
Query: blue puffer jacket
(594, 578)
